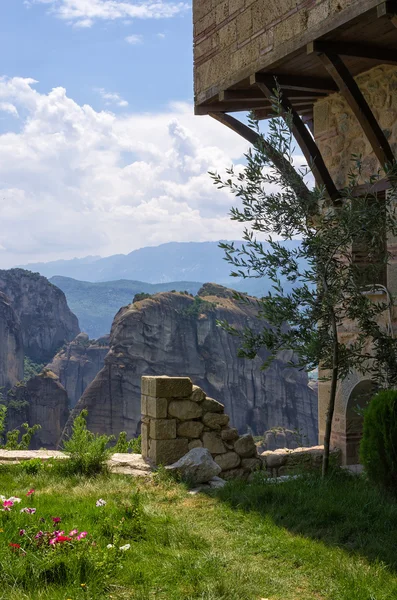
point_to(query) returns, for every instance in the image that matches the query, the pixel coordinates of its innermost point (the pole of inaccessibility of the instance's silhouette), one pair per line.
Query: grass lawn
(302, 539)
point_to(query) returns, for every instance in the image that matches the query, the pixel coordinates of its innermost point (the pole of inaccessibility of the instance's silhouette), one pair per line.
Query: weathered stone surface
(252, 464)
(78, 363)
(238, 473)
(162, 429)
(46, 320)
(157, 335)
(16, 456)
(213, 442)
(11, 345)
(245, 446)
(215, 420)
(274, 460)
(229, 460)
(229, 435)
(133, 464)
(197, 466)
(211, 405)
(197, 394)
(167, 387)
(156, 407)
(195, 444)
(166, 452)
(285, 461)
(44, 402)
(190, 429)
(184, 409)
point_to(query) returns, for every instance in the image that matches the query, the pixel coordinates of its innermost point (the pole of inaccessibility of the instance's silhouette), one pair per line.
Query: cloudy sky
(99, 150)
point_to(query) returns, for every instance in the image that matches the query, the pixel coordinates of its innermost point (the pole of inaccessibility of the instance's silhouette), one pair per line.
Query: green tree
(329, 287)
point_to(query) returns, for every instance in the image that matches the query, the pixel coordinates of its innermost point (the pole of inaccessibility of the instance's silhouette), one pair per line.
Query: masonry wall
(339, 136)
(235, 38)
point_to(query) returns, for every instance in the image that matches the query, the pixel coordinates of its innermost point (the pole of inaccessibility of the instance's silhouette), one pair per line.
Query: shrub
(378, 450)
(123, 445)
(88, 451)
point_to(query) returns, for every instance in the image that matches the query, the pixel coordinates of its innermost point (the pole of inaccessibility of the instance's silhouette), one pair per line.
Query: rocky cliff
(177, 335)
(11, 345)
(46, 320)
(77, 364)
(41, 400)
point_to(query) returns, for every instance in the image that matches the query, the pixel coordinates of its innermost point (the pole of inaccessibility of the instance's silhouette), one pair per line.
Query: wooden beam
(385, 55)
(303, 136)
(231, 106)
(305, 84)
(354, 97)
(388, 9)
(279, 161)
(252, 94)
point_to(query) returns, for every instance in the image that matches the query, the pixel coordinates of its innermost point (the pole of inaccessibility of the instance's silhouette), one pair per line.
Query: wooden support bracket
(363, 113)
(388, 9)
(385, 55)
(302, 135)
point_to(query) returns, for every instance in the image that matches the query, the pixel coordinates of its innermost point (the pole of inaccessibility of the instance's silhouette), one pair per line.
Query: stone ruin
(177, 416)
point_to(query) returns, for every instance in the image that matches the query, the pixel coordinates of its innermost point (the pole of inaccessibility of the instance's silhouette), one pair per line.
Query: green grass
(300, 540)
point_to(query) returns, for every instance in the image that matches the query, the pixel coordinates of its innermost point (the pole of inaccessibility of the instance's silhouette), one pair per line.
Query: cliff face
(11, 345)
(78, 363)
(176, 335)
(42, 400)
(46, 320)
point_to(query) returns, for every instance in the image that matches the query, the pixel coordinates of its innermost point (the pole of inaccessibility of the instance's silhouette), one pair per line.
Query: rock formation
(77, 364)
(46, 320)
(41, 400)
(177, 334)
(11, 345)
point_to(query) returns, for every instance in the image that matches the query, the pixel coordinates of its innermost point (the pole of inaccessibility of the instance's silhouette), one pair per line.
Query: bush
(123, 445)
(378, 450)
(88, 451)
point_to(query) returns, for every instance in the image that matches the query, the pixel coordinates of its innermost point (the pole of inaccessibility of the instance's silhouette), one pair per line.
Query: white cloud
(161, 35)
(9, 108)
(74, 181)
(112, 98)
(134, 39)
(83, 13)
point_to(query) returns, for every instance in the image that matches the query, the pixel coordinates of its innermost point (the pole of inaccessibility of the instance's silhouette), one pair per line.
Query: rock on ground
(197, 466)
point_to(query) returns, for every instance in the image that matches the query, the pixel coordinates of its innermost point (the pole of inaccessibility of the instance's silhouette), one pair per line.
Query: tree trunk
(331, 406)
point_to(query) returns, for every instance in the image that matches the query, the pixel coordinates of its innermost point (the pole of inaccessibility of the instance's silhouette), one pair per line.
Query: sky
(100, 152)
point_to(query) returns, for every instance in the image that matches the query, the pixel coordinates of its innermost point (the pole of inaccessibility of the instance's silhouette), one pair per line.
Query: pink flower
(56, 519)
(22, 531)
(7, 505)
(53, 541)
(29, 511)
(81, 535)
(74, 531)
(30, 492)
(38, 535)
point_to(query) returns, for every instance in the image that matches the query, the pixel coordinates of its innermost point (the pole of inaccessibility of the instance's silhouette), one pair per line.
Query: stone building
(336, 62)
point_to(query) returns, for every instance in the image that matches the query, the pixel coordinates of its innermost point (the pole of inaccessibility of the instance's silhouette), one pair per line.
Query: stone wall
(235, 38)
(177, 416)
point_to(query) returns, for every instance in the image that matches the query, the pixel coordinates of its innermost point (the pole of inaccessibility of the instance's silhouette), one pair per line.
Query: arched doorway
(358, 400)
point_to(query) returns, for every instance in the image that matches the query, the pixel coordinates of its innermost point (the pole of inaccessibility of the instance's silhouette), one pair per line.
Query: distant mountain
(95, 304)
(175, 261)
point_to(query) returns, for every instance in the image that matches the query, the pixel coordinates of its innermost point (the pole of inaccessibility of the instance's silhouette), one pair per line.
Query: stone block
(213, 442)
(251, 464)
(162, 429)
(166, 452)
(238, 473)
(245, 446)
(229, 435)
(157, 407)
(244, 26)
(166, 387)
(215, 420)
(184, 410)
(195, 444)
(197, 394)
(190, 429)
(143, 404)
(211, 405)
(145, 440)
(229, 460)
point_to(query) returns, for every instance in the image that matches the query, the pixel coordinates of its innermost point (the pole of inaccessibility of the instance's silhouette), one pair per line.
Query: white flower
(14, 499)
(109, 546)
(126, 547)
(101, 502)
(2, 498)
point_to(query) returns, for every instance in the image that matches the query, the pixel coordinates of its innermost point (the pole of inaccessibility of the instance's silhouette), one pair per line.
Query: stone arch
(359, 397)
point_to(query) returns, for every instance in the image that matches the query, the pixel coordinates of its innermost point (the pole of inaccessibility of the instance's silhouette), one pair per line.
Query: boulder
(195, 444)
(184, 409)
(197, 466)
(197, 394)
(215, 420)
(245, 446)
(229, 460)
(213, 442)
(211, 405)
(190, 429)
(229, 435)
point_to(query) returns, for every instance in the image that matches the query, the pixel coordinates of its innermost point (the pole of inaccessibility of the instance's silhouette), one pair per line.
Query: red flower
(56, 519)
(30, 492)
(15, 546)
(63, 538)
